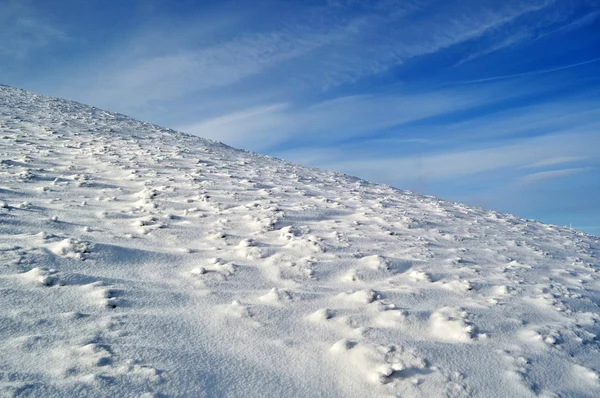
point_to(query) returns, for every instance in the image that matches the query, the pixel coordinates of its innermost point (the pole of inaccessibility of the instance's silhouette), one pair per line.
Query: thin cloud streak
(508, 42)
(531, 73)
(554, 162)
(550, 174)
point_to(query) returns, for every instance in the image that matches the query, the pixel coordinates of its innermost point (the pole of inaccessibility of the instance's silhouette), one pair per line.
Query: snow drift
(139, 261)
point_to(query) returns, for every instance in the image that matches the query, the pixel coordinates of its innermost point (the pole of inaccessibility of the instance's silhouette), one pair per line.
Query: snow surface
(138, 261)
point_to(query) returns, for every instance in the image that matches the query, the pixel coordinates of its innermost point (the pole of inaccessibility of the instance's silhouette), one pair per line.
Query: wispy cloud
(554, 162)
(167, 75)
(323, 123)
(505, 43)
(355, 133)
(264, 126)
(582, 21)
(451, 163)
(23, 30)
(319, 48)
(530, 73)
(386, 37)
(541, 117)
(550, 174)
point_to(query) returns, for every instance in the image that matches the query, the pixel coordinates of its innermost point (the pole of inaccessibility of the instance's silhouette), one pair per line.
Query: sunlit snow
(138, 261)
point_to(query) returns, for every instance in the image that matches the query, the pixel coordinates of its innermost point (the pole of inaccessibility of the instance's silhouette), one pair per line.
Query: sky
(488, 103)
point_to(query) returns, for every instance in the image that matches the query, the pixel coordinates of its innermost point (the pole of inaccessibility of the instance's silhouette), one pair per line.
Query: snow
(139, 261)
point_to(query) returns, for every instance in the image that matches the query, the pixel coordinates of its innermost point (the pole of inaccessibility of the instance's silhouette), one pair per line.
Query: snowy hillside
(137, 261)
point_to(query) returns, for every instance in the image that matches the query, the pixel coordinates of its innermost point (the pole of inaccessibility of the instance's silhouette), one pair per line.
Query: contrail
(537, 72)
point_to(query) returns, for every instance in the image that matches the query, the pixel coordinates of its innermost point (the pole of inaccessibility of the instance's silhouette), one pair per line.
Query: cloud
(378, 120)
(451, 163)
(512, 40)
(530, 73)
(166, 75)
(317, 48)
(23, 31)
(325, 122)
(555, 161)
(559, 114)
(264, 126)
(577, 23)
(546, 175)
(386, 39)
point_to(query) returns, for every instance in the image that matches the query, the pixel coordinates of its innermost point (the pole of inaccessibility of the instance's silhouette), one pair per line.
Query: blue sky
(489, 103)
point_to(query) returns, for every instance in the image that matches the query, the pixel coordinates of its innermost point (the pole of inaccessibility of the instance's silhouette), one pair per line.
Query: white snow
(138, 261)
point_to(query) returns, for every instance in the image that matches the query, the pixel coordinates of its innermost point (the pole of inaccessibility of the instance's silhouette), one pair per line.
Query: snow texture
(139, 261)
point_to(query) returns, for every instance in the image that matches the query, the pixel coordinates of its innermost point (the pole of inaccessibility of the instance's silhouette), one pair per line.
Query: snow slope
(138, 261)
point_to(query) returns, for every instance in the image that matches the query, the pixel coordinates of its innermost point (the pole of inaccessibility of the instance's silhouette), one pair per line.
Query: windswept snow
(138, 261)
